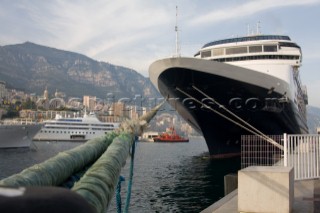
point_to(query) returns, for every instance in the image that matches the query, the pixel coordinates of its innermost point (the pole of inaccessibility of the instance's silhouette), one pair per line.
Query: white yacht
(74, 129)
(236, 86)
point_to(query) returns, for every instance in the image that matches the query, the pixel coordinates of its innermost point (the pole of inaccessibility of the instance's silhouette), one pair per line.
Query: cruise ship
(17, 134)
(236, 86)
(74, 129)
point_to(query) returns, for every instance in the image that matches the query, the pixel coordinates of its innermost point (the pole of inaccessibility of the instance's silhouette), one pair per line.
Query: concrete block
(266, 189)
(230, 183)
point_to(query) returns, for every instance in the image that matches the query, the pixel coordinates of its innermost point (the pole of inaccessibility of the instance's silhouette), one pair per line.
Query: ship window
(270, 48)
(206, 54)
(237, 50)
(255, 49)
(258, 57)
(286, 44)
(251, 38)
(217, 52)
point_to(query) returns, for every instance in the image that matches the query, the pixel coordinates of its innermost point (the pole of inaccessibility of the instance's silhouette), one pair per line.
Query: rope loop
(118, 194)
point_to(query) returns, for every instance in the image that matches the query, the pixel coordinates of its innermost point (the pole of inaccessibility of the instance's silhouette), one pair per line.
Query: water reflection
(195, 184)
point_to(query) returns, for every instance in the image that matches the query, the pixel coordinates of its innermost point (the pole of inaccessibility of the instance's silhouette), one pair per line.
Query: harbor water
(167, 177)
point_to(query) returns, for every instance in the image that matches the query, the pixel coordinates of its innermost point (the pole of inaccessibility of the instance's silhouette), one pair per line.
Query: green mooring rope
(56, 170)
(126, 209)
(98, 184)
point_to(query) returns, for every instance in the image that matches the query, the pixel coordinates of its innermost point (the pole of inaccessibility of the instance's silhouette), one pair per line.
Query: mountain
(33, 67)
(313, 117)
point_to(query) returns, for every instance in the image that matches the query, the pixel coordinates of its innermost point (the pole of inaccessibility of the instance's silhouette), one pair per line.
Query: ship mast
(258, 28)
(177, 35)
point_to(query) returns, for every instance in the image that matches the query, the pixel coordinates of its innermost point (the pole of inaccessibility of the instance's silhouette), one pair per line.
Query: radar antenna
(257, 32)
(258, 28)
(177, 35)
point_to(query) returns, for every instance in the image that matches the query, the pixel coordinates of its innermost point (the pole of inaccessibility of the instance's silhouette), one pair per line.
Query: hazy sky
(134, 33)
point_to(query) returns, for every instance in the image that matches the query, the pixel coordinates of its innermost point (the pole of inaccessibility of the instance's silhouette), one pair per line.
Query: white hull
(148, 136)
(61, 136)
(74, 129)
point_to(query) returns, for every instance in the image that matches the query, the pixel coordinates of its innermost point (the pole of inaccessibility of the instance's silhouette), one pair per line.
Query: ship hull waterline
(255, 97)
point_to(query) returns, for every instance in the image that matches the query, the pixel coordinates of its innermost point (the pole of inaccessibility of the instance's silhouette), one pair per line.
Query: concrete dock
(291, 184)
(306, 199)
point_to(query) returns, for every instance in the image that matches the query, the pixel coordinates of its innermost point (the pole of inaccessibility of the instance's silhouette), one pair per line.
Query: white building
(3, 90)
(89, 102)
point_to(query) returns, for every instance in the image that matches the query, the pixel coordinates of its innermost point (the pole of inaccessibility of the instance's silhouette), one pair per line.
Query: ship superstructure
(234, 84)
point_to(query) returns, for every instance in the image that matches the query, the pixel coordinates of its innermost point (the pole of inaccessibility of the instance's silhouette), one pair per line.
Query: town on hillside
(16, 104)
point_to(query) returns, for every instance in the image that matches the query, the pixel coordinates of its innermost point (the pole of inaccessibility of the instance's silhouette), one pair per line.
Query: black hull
(268, 111)
(171, 141)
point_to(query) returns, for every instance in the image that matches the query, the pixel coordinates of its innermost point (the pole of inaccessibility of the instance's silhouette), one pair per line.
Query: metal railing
(256, 151)
(302, 152)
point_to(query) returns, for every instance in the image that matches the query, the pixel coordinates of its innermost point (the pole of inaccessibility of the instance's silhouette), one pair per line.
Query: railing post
(317, 141)
(285, 150)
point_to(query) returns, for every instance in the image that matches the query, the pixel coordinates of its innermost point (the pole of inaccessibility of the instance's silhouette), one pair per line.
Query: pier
(306, 199)
(284, 180)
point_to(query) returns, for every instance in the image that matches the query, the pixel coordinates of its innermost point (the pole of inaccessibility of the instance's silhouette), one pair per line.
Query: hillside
(33, 67)
(313, 117)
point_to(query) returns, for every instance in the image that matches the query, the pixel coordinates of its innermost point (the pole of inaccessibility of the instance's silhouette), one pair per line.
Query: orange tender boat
(170, 136)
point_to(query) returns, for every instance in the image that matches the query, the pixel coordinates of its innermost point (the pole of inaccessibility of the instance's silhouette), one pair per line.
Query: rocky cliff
(33, 67)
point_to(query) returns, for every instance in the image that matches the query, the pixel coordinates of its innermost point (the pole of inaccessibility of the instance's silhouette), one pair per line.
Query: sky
(134, 33)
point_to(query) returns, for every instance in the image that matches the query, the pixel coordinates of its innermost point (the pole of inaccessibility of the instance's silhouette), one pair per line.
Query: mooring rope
(118, 195)
(121, 179)
(106, 154)
(263, 136)
(127, 204)
(98, 184)
(56, 170)
(237, 117)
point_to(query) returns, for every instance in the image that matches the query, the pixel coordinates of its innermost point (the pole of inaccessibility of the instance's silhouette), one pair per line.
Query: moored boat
(170, 136)
(74, 129)
(17, 133)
